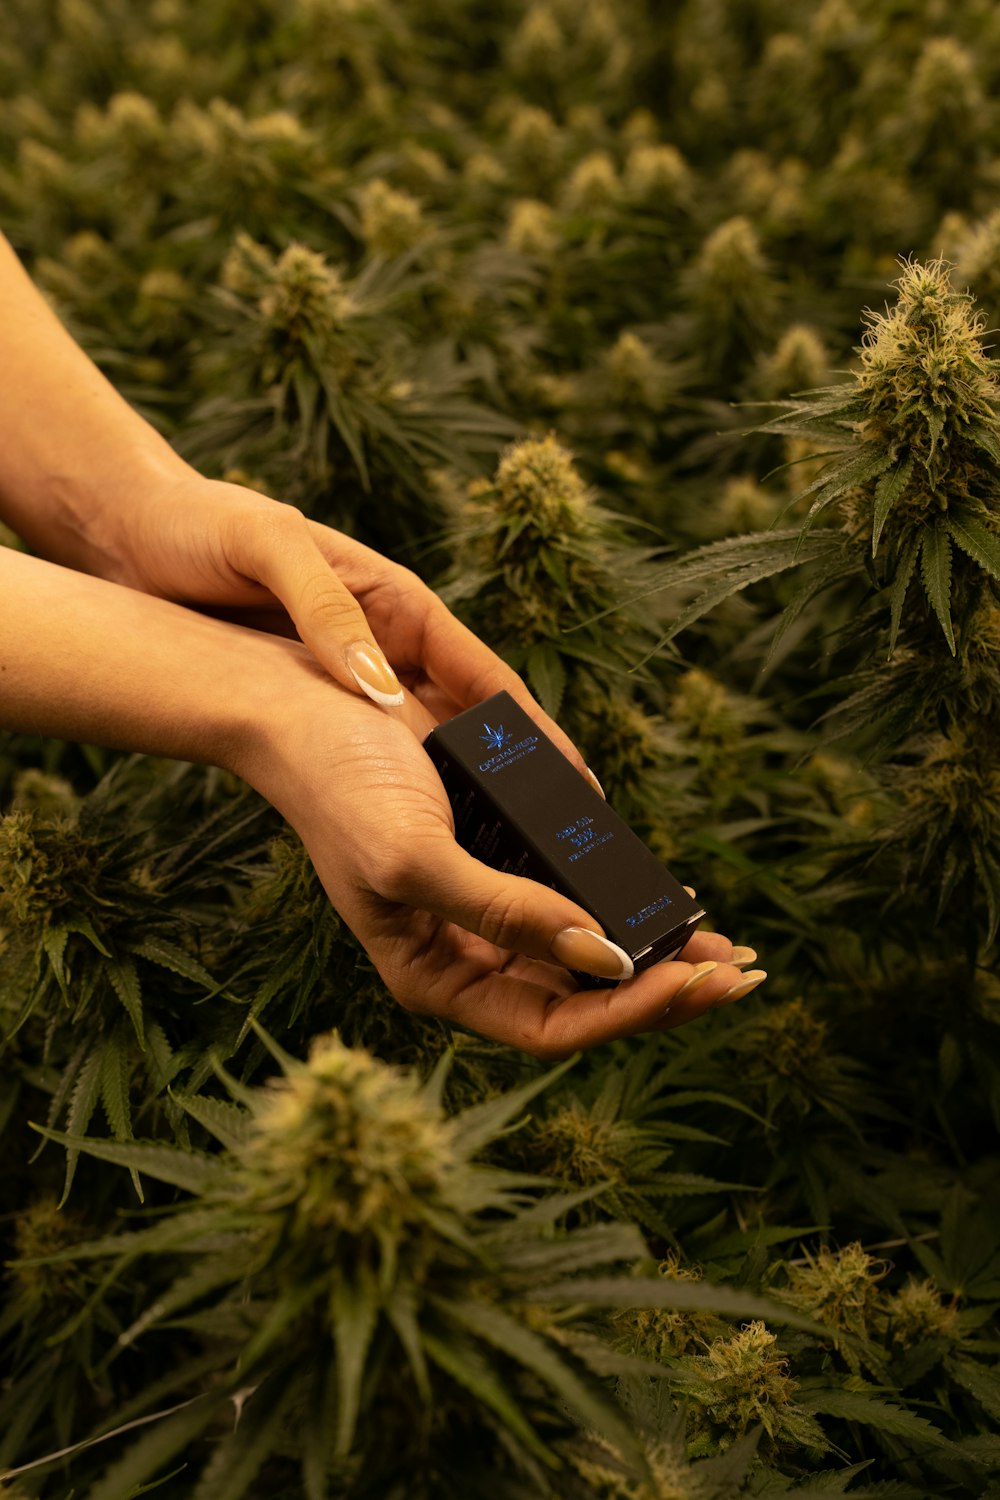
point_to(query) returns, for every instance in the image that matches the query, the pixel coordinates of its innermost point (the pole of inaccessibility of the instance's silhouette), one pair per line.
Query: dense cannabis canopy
(348, 253)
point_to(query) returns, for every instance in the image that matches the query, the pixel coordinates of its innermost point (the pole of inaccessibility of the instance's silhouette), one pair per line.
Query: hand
(449, 936)
(87, 660)
(255, 561)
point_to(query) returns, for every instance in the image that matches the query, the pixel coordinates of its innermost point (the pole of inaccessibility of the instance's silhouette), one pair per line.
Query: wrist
(271, 717)
(85, 659)
(86, 517)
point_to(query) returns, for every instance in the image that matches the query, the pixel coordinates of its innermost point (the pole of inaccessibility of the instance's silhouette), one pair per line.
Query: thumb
(281, 554)
(510, 911)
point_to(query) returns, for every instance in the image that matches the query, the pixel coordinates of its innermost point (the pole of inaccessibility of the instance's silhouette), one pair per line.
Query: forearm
(74, 456)
(84, 659)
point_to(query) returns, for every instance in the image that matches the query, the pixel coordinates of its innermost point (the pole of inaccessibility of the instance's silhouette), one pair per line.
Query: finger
(273, 544)
(426, 635)
(471, 672)
(508, 911)
(510, 1008)
(714, 995)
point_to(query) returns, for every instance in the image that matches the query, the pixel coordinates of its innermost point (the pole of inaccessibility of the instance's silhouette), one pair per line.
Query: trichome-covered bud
(976, 252)
(538, 48)
(744, 505)
(658, 177)
(798, 363)
(300, 299)
(918, 1312)
(742, 1381)
(532, 228)
(732, 297)
(840, 1288)
(925, 379)
(636, 377)
(537, 485)
(345, 1145)
(533, 144)
(391, 220)
(593, 185)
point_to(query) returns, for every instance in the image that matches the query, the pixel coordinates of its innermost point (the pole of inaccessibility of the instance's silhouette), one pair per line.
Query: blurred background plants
(502, 290)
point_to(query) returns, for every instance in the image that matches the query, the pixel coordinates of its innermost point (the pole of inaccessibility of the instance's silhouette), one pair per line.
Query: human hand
(450, 936)
(87, 660)
(368, 621)
(255, 561)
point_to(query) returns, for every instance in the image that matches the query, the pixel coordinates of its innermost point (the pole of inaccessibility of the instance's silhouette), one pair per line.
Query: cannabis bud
(346, 1146)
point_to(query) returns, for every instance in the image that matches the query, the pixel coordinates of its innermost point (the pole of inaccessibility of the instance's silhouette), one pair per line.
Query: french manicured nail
(595, 783)
(747, 983)
(698, 977)
(578, 948)
(743, 956)
(691, 891)
(373, 674)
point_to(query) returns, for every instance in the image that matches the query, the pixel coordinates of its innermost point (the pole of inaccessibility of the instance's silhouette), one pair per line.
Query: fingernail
(595, 783)
(743, 956)
(700, 974)
(579, 948)
(691, 891)
(373, 674)
(747, 983)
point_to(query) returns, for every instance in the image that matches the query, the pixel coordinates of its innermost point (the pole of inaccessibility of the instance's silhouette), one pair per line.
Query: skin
(186, 617)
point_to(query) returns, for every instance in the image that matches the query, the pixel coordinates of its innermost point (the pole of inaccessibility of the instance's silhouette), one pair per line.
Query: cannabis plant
(345, 1226)
(497, 288)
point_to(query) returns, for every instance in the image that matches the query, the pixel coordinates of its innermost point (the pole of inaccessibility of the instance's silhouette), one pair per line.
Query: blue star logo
(495, 738)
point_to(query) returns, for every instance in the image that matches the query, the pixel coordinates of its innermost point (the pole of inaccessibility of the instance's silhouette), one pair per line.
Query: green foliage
(496, 289)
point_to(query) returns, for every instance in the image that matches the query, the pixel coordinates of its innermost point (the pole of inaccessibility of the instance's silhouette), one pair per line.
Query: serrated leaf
(975, 539)
(900, 584)
(935, 566)
(239, 1457)
(595, 1245)
(982, 1383)
(465, 1364)
(169, 956)
(190, 1170)
(833, 570)
(218, 1271)
(864, 464)
(114, 1086)
(546, 677)
(161, 1064)
(165, 1441)
(83, 1102)
(758, 553)
(85, 928)
(887, 493)
(54, 946)
(696, 1296)
(115, 1073)
(741, 1242)
(855, 1406)
(985, 439)
(530, 1349)
(482, 1122)
(229, 1124)
(354, 1305)
(125, 981)
(401, 1310)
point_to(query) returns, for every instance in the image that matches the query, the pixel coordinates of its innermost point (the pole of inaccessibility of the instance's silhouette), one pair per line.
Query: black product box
(521, 807)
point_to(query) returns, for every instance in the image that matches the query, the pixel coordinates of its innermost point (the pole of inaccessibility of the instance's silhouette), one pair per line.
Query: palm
(391, 800)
